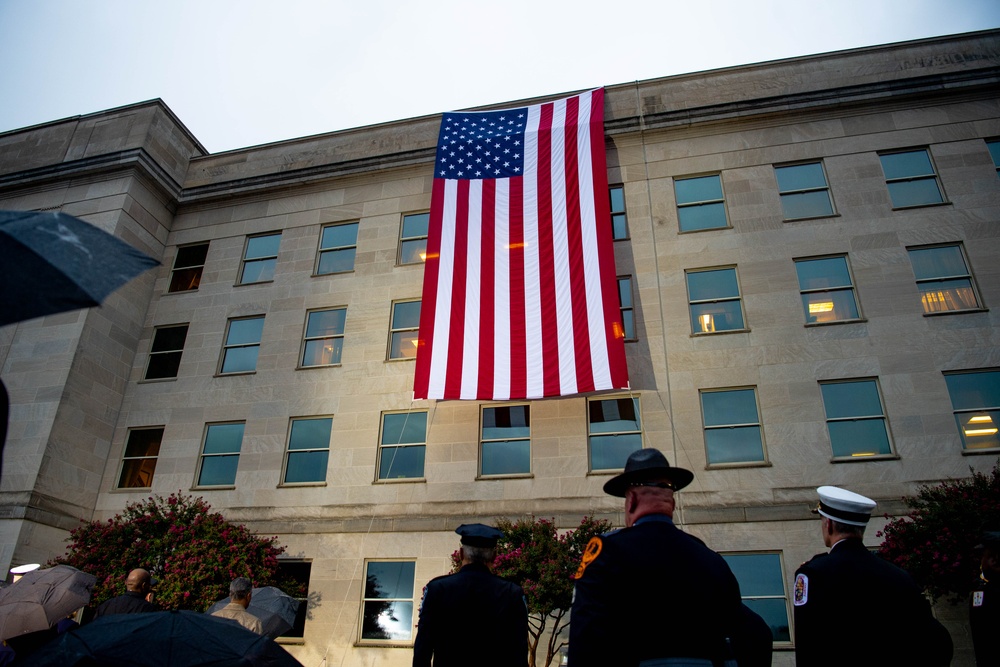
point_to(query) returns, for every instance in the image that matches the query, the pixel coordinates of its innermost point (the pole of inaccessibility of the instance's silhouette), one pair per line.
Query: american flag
(520, 295)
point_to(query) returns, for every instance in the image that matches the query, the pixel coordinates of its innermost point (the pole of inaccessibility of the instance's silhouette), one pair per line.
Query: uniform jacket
(130, 602)
(651, 591)
(472, 617)
(851, 599)
(984, 621)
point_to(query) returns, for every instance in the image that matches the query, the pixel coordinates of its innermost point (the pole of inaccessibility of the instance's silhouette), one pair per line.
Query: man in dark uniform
(473, 617)
(135, 600)
(651, 595)
(984, 608)
(853, 607)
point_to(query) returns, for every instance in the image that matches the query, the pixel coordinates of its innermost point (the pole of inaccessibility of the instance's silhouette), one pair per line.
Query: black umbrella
(275, 609)
(42, 598)
(53, 262)
(167, 638)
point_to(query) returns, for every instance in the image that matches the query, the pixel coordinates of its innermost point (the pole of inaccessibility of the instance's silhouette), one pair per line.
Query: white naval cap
(844, 506)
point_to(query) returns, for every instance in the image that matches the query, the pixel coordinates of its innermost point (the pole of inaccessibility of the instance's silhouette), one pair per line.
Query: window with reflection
(627, 307)
(614, 430)
(505, 440)
(259, 258)
(994, 148)
(911, 178)
(239, 354)
(165, 353)
(324, 338)
(404, 329)
(700, 203)
(827, 290)
(220, 454)
(299, 572)
(804, 191)
(619, 222)
(413, 238)
(762, 587)
(402, 444)
(188, 267)
(975, 400)
(732, 426)
(338, 245)
(715, 303)
(855, 418)
(387, 606)
(139, 461)
(308, 450)
(943, 279)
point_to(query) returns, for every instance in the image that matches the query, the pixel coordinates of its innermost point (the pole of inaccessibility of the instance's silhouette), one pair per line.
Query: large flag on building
(520, 296)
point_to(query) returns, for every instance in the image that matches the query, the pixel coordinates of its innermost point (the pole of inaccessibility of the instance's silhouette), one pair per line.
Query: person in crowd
(984, 607)
(240, 594)
(135, 599)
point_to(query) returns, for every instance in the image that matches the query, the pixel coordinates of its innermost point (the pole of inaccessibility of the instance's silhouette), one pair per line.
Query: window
(804, 192)
(619, 223)
(627, 308)
(732, 426)
(943, 279)
(827, 290)
(139, 461)
(338, 244)
(714, 297)
(762, 586)
(505, 441)
(994, 148)
(404, 327)
(975, 399)
(700, 204)
(188, 266)
(911, 179)
(165, 354)
(308, 450)
(855, 419)
(413, 238)
(259, 259)
(614, 431)
(220, 453)
(239, 354)
(402, 445)
(387, 607)
(297, 571)
(324, 338)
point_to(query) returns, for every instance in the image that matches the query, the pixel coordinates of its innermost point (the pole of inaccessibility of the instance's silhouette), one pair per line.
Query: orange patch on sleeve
(592, 551)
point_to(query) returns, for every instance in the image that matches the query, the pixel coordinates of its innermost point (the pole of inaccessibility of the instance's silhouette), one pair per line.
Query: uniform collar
(654, 518)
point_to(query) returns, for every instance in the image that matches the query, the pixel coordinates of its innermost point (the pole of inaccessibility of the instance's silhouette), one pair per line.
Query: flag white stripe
(446, 275)
(473, 281)
(532, 275)
(560, 254)
(501, 293)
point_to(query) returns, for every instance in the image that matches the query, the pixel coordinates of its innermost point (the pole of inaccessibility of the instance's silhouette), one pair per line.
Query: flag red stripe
(421, 377)
(487, 295)
(546, 259)
(518, 327)
(456, 338)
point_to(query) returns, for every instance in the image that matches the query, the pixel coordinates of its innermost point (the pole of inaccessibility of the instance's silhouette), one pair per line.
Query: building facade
(808, 255)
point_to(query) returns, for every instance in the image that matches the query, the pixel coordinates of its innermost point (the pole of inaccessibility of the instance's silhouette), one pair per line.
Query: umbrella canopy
(275, 609)
(167, 638)
(53, 262)
(42, 598)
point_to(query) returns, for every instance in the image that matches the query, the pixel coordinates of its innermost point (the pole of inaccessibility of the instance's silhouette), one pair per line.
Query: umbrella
(53, 262)
(275, 609)
(42, 598)
(168, 638)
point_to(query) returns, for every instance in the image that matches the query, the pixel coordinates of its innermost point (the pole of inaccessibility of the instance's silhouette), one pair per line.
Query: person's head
(138, 581)
(241, 590)
(845, 514)
(648, 484)
(989, 558)
(479, 543)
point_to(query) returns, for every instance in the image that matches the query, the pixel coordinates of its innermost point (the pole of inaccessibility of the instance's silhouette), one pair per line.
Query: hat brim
(618, 485)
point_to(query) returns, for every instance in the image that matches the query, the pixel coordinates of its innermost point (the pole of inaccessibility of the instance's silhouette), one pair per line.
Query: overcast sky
(244, 72)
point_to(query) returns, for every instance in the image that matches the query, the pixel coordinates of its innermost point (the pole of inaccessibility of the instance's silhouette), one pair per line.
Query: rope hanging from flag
(520, 296)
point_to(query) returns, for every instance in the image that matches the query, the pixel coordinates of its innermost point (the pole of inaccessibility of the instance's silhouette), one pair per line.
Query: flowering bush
(192, 552)
(936, 541)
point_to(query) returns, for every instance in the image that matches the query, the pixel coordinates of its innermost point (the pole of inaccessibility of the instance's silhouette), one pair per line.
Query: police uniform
(852, 600)
(472, 617)
(984, 610)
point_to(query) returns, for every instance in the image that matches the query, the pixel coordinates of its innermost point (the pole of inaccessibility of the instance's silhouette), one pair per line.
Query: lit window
(165, 354)
(762, 587)
(404, 328)
(259, 259)
(308, 450)
(700, 204)
(994, 148)
(619, 223)
(413, 238)
(239, 354)
(139, 461)
(402, 445)
(220, 454)
(338, 244)
(614, 431)
(324, 338)
(911, 179)
(188, 267)
(505, 441)
(627, 308)
(299, 572)
(715, 304)
(804, 192)
(827, 290)
(975, 399)
(732, 426)
(943, 279)
(855, 419)
(387, 606)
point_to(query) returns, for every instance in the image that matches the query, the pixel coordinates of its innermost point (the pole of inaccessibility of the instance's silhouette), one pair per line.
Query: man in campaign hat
(473, 616)
(649, 594)
(853, 599)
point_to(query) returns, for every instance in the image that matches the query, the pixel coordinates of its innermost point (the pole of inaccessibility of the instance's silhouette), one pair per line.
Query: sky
(239, 73)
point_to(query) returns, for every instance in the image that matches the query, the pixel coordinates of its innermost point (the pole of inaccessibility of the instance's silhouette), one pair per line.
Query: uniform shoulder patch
(977, 599)
(801, 589)
(590, 553)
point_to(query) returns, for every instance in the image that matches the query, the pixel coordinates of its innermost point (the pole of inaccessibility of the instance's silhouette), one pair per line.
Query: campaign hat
(844, 506)
(646, 465)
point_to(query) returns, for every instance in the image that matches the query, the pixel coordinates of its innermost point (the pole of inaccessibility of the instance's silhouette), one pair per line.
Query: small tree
(936, 541)
(192, 552)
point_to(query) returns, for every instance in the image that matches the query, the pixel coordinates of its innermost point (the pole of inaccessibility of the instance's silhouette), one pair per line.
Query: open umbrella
(42, 598)
(275, 609)
(167, 638)
(53, 262)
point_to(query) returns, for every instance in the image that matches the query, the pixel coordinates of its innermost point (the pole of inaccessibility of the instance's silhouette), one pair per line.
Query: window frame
(993, 148)
(693, 302)
(852, 286)
(410, 239)
(288, 451)
(306, 338)
(264, 258)
(618, 214)
(198, 268)
(202, 455)
(783, 194)
(400, 330)
(320, 250)
(303, 611)
(913, 178)
(630, 308)
(482, 439)
(382, 446)
(966, 276)
(414, 606)
(155, 458)
(701, 202)
(226, 346)
(858, 456)
(956, 412)
(157, 354)
(789, 612)
(759, 424)
(635, 398)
